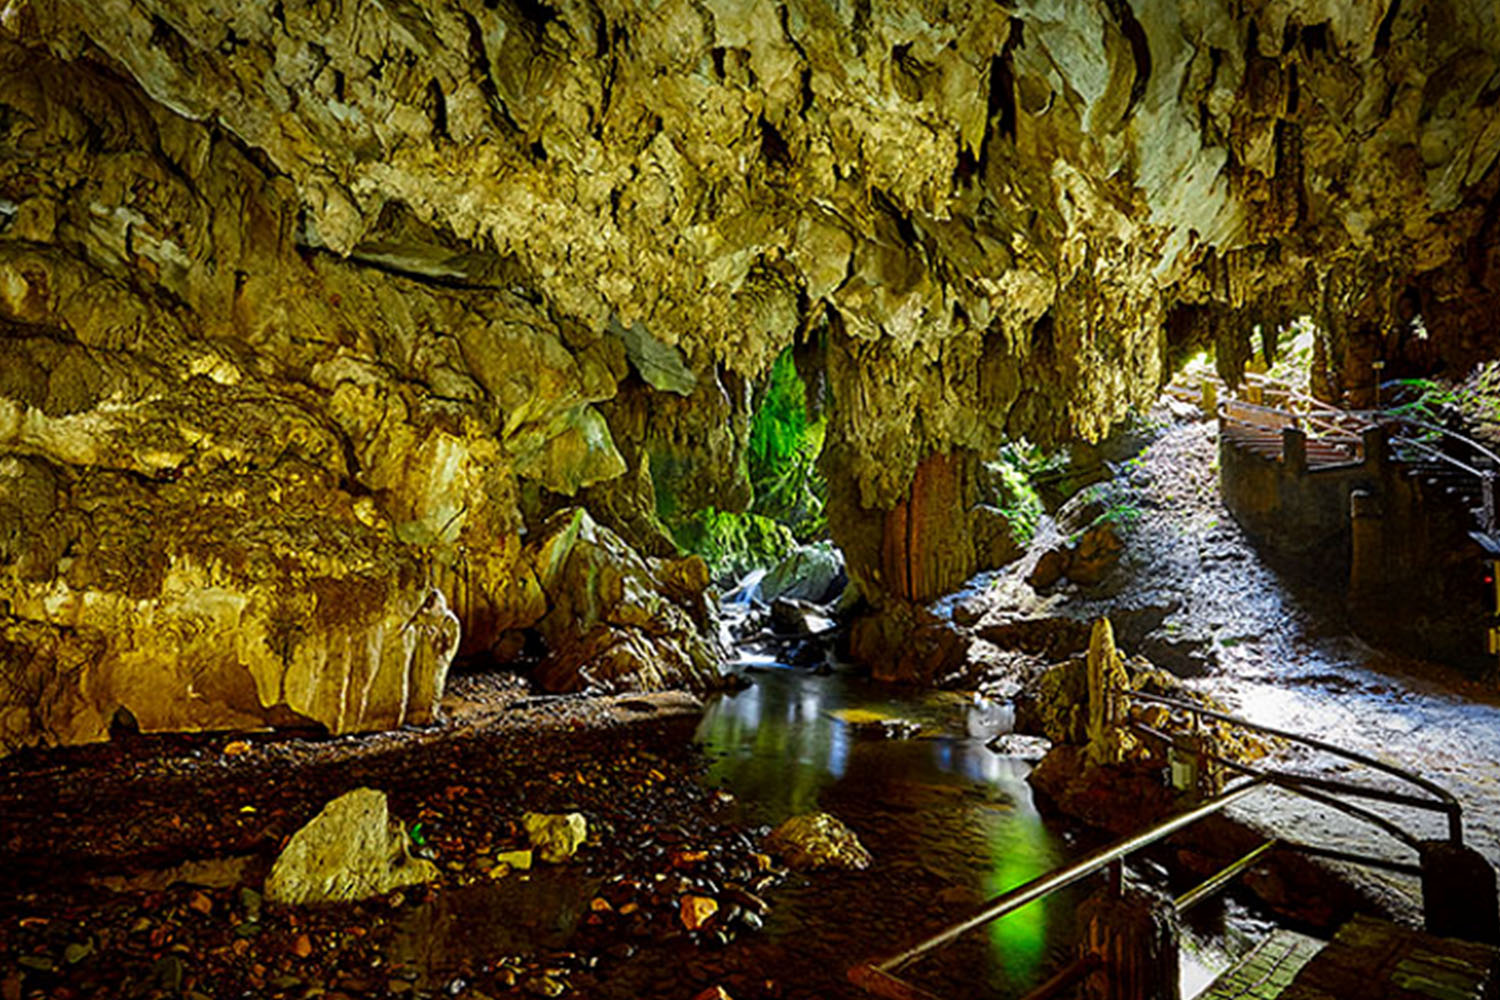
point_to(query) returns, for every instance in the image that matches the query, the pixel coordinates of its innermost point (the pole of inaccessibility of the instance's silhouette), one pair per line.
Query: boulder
(1050, 568)
(995, 541)
(817, 840)
(909, 644)
(1096, 553)
(808, 573)
(555, 837)
(351, 850)
(619, 621)
(793, 617)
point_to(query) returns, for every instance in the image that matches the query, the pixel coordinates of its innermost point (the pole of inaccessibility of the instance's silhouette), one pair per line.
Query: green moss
(733, 544)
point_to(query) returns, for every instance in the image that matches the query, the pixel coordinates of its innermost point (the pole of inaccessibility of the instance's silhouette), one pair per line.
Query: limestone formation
(351, 850)
(312, 315)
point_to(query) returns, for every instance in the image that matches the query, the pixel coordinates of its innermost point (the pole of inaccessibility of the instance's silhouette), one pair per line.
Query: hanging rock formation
(311, 313)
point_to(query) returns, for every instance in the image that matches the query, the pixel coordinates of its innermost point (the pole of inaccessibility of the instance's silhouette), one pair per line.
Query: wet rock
(794, 617)
(970, 610)
(818, 840)
(351, 850)
(1056, 707)
(1029, 748)
(215, 873)
(909, 644)
(518, 860)
(544, 986)
(809, 573)
(555, 837)
(714, 993)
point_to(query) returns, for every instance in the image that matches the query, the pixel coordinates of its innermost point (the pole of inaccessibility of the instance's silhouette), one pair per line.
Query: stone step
(1372, 959)
(1267, 970)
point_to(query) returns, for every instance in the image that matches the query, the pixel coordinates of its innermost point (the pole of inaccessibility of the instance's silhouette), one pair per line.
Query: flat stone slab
(1371, 959)
(1267, 971)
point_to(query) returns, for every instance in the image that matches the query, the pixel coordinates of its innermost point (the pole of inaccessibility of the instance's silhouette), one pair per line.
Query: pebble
(696, 911)
(544, 986)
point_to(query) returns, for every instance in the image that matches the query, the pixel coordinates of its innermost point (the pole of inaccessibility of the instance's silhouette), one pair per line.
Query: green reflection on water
(1021, 848)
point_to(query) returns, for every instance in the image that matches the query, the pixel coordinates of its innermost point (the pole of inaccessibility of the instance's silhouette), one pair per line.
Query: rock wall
(371, 290)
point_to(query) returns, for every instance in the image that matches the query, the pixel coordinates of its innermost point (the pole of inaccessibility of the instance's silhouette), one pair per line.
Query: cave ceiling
(377, 276)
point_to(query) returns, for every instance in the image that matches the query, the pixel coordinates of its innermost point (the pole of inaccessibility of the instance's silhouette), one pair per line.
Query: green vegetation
(1421, 399)
(733, 544)
(1013, 481)
(783, 452)
(789, 493)
(1294, 354)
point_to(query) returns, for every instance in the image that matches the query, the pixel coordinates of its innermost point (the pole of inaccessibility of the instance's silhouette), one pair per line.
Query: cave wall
(315, 316)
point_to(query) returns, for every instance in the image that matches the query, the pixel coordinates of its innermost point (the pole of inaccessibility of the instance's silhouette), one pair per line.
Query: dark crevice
(1383, 33)
(1289, 35)
(1293, 91)
(534, 15)
(965, 167)
(1140, 49)
(479, 61)
(904, 227)
(1000, 102)
(861, 24)
(773, 146)
(1315, 39)
(437, 109)
(602, 34)
(1043, 337)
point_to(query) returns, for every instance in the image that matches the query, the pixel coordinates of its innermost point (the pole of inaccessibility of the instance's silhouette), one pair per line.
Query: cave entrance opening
(778, 545)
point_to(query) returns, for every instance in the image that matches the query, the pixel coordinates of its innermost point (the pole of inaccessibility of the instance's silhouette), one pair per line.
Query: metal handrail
(1447, 803)
(1442, 456)
(1387, 417)
(880, 977)
(1290, 784)
(875, 975)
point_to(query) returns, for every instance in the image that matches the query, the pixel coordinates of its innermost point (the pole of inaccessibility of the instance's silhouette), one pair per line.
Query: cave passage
(685, 499)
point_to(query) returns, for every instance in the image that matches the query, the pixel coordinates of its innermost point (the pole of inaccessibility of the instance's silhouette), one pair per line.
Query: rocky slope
(311, 312)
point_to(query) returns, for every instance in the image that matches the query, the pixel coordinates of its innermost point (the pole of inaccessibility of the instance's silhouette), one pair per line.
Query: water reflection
(936, 803)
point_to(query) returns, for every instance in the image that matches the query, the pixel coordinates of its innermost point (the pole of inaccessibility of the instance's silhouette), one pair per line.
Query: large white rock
(351, 850)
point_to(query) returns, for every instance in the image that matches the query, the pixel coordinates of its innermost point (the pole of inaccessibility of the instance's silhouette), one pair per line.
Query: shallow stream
(950, 822)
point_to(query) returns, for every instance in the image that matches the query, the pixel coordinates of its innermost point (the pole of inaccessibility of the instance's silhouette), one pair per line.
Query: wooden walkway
(1368, 959)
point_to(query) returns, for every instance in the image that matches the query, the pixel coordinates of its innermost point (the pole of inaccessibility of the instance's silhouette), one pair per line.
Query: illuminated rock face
(370, 290)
